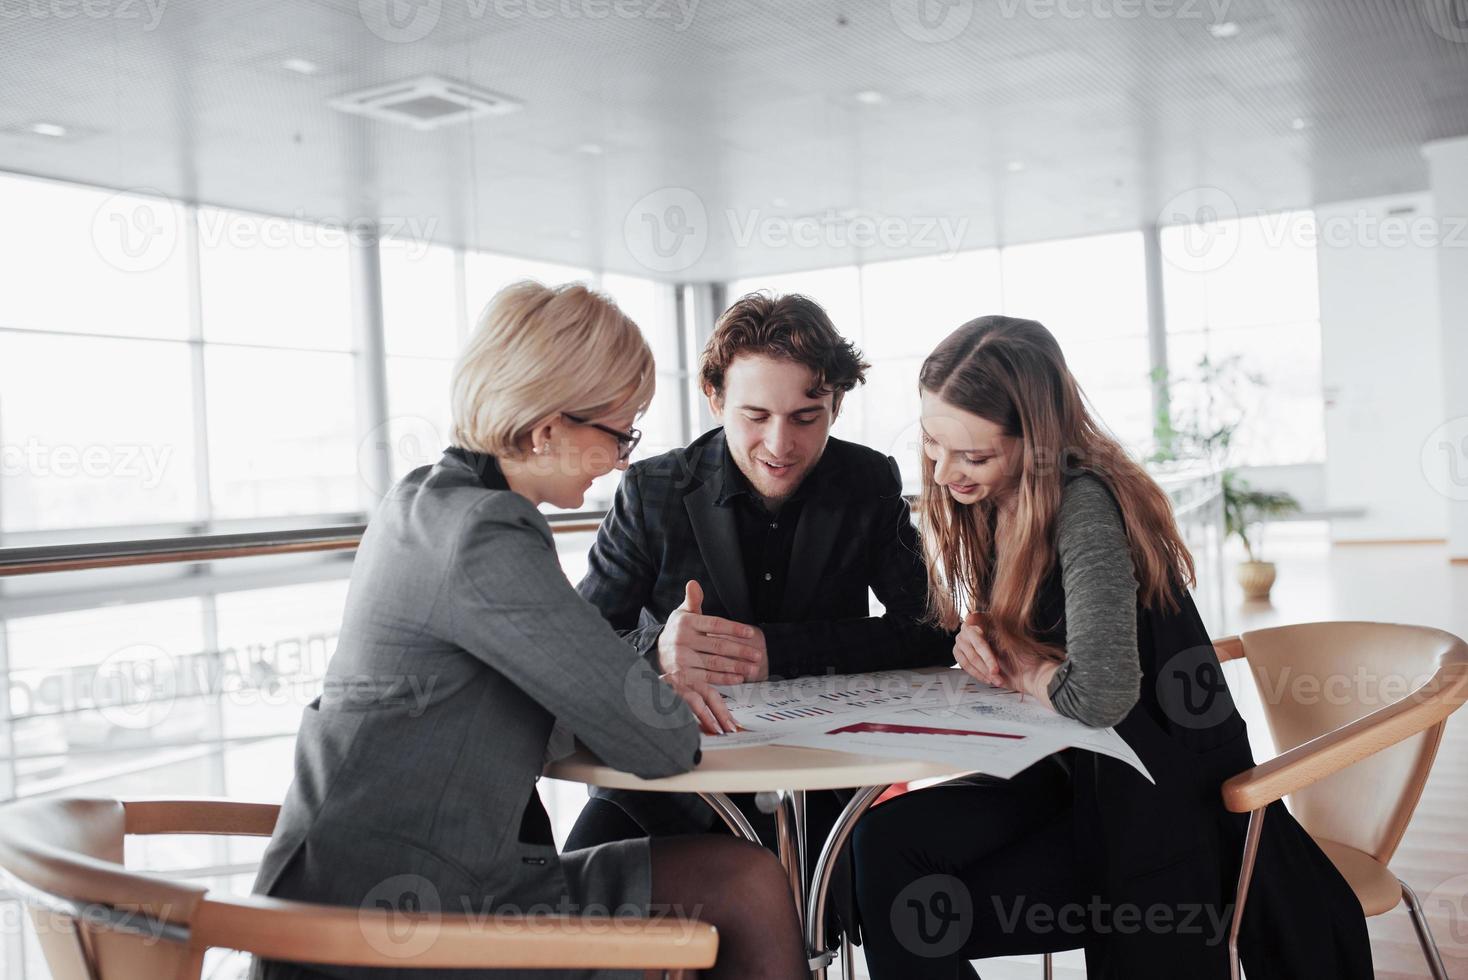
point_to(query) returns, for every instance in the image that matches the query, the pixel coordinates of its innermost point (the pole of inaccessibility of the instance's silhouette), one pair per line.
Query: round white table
(788, 772)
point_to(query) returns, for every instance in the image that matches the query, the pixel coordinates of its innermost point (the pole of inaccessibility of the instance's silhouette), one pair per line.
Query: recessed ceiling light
(590, 149)
(870, 97)
(1298, 123)
(1015, 166)
(301, 66)
(425, 103)
(1224, 29)
(48, 129)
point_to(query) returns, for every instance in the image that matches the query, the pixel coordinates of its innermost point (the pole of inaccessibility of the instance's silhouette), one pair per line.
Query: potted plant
(1206, 432)
(1243, 509)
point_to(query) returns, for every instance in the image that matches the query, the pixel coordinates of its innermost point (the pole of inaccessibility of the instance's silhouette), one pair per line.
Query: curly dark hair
(792, 326)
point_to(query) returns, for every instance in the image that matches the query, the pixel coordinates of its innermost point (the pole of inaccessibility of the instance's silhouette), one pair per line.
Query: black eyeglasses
(626, 441)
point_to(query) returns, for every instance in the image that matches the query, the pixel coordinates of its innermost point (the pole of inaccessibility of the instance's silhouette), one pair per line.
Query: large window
(1244, 294)
(1091, 293)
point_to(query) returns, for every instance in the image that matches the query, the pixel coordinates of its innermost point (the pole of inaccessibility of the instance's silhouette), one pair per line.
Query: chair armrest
(1329, 753)
(277, 929)
(200, 816)
(1229, 648)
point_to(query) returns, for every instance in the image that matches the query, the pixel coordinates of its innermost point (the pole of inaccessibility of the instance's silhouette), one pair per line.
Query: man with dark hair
(749, 553)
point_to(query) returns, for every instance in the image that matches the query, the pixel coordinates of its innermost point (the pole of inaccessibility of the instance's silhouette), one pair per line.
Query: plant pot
(1256, 578)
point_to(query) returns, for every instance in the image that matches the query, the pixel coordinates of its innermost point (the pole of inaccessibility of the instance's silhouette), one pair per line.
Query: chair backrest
(94, 919)
(1313, 678)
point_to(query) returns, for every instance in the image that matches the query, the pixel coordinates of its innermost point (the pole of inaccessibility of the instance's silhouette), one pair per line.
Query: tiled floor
(1392, 583)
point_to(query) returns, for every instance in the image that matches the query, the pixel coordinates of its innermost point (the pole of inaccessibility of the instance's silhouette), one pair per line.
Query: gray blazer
(461, 646)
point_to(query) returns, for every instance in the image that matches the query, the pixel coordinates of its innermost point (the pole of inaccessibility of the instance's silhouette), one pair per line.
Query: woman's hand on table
(1027, 674)
(706, 703)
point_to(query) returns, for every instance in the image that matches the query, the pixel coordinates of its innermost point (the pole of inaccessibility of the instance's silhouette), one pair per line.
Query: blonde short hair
(538, 350)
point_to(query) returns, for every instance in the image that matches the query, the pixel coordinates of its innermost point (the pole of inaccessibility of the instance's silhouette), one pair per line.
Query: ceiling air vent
(425, 103)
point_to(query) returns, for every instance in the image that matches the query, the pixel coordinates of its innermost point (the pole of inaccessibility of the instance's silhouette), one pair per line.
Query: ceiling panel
(720, 123)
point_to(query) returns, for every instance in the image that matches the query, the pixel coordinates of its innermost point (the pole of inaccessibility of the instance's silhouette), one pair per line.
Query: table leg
(815, 916)
(790, 830)
(736, 821)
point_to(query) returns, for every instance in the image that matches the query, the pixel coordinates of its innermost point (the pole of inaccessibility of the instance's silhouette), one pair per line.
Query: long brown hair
(1012, 373)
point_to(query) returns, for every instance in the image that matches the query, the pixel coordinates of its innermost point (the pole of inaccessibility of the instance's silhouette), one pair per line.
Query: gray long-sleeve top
(1100, 680)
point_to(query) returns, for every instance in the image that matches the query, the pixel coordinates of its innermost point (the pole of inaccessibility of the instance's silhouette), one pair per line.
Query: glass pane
(486, 273)
(281, 431)
(274, 646)
(1081, 289)
(89, 683)
(420, 310)
(273, 282)
(910, 305)
(892, 415)
(652, 306)
(94, 432)
(1247, 288)
(1241, 272)
(419, 423)
(79, 259)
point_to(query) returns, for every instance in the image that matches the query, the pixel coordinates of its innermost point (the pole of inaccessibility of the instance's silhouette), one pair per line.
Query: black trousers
(968, 869)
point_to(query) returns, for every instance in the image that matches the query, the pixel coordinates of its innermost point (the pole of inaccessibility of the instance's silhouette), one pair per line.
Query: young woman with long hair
(1056, 560)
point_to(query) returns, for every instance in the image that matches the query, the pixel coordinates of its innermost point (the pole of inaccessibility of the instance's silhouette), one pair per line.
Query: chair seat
(1376, 888)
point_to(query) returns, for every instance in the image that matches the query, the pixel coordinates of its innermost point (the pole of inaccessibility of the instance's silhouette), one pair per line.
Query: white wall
(1382, 367)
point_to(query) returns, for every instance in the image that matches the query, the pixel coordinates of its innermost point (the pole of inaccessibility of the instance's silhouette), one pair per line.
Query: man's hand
(709, 649)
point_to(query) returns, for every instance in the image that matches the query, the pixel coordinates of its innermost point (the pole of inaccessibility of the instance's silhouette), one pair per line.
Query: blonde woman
(463, 647)
(1057, 561)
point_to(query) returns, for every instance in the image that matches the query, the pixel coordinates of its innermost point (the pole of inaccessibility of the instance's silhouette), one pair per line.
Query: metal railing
(212, 547)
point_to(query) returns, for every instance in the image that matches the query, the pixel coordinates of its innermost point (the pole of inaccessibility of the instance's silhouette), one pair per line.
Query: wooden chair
(1356, 711)
(96, 919)
(1353, 768)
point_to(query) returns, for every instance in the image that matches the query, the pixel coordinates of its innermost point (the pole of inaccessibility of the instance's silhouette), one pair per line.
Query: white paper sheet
(768, 709)
(909, 714)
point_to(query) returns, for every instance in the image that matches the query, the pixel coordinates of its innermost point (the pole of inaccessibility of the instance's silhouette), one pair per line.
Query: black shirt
(766, 540)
